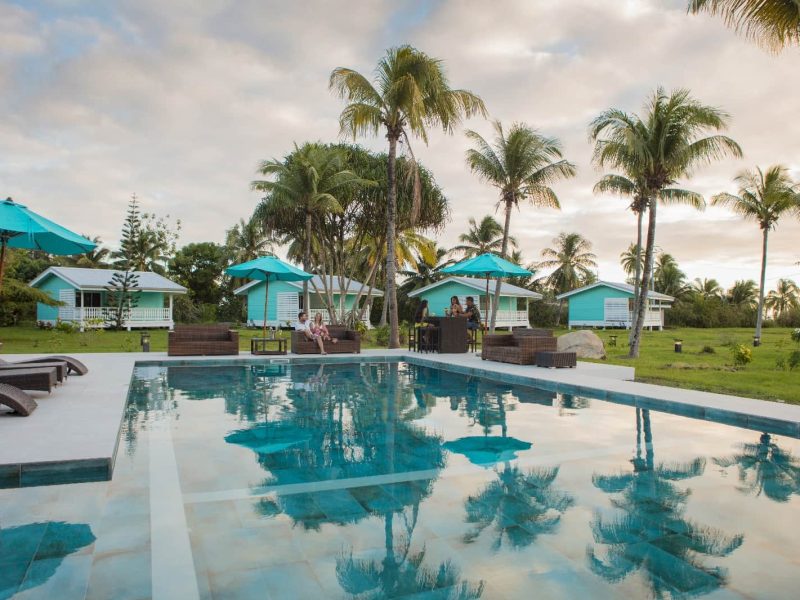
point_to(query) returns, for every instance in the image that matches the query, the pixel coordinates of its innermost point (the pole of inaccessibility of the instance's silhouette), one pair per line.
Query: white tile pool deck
(80, 420)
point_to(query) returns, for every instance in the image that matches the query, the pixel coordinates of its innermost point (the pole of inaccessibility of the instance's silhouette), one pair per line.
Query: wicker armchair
(203, 340)
(347, 341)
(519, 348)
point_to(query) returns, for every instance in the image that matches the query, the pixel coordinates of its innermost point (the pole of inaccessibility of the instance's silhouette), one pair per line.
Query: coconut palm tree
(784, 297)
(707, 289)
(522, 165)
(303, 187)
(410, 93)
(661, 147)
(247, 240)
(635, 188)
(764, 197)
(425, 270)
(774, 23)
(572, 259)
(631, 262)
(94, 259)
(483, 237)
(744, 293)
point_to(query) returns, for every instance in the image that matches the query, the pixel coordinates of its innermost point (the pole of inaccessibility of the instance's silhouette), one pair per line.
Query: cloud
(179, 101)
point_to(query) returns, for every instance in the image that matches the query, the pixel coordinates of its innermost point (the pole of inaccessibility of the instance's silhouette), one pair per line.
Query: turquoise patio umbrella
(486, 265)
(268, 268)
(23, 228)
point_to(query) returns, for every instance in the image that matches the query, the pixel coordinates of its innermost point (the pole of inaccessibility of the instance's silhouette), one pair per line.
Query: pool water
(389, 480)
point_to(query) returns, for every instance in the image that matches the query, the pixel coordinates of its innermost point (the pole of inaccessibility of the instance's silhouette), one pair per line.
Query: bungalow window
(90, 299)
(630, 304)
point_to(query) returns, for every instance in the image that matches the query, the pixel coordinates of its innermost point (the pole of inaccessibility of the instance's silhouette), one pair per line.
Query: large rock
(586, 344)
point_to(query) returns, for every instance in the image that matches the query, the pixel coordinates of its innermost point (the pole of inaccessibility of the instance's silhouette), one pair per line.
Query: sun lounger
(34, 378)
(61, 368)
(75, 366)
(17, 400)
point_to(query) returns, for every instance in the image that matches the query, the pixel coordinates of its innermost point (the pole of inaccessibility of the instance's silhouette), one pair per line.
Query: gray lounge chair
(18, 401)
(75, 366)
(34, 378)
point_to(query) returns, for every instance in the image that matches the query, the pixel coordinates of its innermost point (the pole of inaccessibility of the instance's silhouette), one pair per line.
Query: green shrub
(796, 335)
(780, 364)
(742, 355)
(794, 360)
(708, 350)
(381, 335)
(66, 327)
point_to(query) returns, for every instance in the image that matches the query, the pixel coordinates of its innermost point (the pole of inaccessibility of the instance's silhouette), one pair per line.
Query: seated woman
(304, 326)
(456, 310)
(318, 327)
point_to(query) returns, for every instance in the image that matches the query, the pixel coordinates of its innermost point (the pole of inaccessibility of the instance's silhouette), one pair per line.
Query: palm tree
(784, 297)
(483, 237)
(774, 23)
(303, 188)
(631, 262)
(744, 293)
(763, 197)
(410, 93)
(660, 148)
(707, 289)
(635, 188)
(94, 259)
(573, 261)
(522, 166)
(425, 270)
(247, 240)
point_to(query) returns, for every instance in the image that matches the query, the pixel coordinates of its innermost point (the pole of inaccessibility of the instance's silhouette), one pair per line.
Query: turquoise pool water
(360, 480)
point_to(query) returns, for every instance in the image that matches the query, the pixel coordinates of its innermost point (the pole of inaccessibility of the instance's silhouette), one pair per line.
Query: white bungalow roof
(98, 279)
(623, 287)
(351, 286)
(506, 289)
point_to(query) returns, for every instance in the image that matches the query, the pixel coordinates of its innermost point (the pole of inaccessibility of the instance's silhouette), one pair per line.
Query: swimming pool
(378, 480)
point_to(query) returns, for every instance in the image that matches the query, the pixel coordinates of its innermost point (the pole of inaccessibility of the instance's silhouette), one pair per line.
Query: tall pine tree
(122, 294)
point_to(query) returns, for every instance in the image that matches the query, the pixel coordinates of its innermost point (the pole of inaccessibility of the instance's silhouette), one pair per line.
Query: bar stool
(412, 338)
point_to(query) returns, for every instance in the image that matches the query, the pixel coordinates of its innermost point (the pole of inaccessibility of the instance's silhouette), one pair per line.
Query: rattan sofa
(520, 347)
(347, 342)
(203, 340)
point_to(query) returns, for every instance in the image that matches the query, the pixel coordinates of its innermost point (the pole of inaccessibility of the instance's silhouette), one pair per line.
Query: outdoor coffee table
(261, 346)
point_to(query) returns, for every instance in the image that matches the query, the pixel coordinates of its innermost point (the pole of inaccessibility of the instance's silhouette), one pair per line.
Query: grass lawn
(658, 362)
(713, 372)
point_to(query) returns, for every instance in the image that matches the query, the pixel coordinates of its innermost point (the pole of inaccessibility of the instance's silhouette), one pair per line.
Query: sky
(179, 101)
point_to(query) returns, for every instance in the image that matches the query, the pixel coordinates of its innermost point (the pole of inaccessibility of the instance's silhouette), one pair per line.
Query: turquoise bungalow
(84, 295)
(286, 299)
(608, 304)
(512, 310)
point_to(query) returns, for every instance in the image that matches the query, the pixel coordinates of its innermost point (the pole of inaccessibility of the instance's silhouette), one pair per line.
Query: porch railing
(104, 313)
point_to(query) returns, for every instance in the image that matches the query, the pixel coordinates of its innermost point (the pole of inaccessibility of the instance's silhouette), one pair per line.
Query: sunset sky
(178, 101)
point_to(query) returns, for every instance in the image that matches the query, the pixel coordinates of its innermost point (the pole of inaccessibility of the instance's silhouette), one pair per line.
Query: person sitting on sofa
(318, 327)
(304, 326)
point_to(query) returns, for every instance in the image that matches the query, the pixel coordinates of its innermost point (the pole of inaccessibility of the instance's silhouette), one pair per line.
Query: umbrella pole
(266, 303)
(3, 243)
(488, 301)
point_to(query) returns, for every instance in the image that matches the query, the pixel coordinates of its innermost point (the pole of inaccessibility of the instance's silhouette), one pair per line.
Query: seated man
(473, 315)
(304, 326)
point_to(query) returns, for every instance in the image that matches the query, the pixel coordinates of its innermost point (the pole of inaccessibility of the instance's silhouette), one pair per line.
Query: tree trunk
(307, 262)
(638, 271)
(391, 262)
(504, 251)
(640, 306)
(760, 316)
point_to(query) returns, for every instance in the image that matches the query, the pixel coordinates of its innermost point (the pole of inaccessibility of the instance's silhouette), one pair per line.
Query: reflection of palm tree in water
(520, 504)
(765, 468)
(651, 533)
(401, 572)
